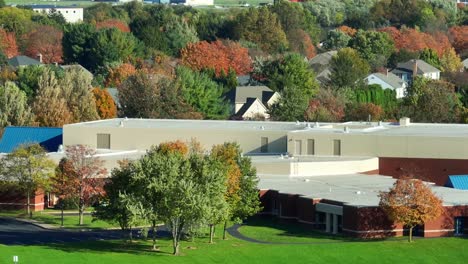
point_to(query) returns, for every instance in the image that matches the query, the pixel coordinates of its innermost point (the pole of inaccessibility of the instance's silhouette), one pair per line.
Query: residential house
(23, 61)
(408, 70)
(72, 14)
(388, 80)
(465, 2)
(321, 66)
(465, 64)
(250, 102)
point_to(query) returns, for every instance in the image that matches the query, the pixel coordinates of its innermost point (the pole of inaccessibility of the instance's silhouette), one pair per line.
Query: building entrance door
(459, 225)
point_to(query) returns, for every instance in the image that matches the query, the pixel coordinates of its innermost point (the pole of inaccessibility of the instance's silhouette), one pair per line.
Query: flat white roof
(357, 190)
(391, 129)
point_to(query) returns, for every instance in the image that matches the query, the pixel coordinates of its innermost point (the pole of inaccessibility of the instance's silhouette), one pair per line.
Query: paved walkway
(20, 232)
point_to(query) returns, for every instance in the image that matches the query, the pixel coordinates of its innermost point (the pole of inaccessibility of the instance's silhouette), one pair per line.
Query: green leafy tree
(76, 43)
(210, 24)
(348, 68)
(14, 108)
(203, 94)
(28, 79)
(336, 39)
(450, 61)
(430, 56)
(16, 20)
(121, 203)
(403, 55)
(329, 12)
(30, 169)
(111, 45)
(178, 34)
(373, 46)
(432, 101)
(293, 71)
(291, 105)
(261, 26)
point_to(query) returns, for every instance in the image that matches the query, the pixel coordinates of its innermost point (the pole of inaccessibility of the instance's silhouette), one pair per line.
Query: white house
(199, 2)
(72, 14)
(465, 64)
(252, 101)
(388, 81)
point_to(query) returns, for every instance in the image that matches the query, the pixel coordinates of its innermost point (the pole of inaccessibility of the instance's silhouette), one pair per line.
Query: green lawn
(445, 250)
(53, 217)
(440, 250)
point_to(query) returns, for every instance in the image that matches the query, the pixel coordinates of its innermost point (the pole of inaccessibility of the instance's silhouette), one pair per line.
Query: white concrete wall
(71, 15)
(199, 2)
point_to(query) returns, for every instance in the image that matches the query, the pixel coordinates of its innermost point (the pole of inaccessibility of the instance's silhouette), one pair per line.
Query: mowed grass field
(315, 248)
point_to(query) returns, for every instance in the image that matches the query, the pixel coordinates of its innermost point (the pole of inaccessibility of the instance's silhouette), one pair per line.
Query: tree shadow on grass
(293, 229)
(137, 247)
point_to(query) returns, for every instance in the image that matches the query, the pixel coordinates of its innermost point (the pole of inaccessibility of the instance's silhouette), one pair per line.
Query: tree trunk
(175, 236)
(81, 211)
(28, 205)
(61, 208)
(153, 227)
(175, 244)
(224, 230)
(211, 233)
(410, 239)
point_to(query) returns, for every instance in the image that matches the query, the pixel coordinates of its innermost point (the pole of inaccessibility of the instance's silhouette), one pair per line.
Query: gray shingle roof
(22, 60)
(242, 93)
(423, 67)
(391, 79)
(250, 101)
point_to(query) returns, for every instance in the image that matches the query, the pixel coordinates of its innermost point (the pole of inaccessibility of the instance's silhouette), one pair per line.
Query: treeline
(188, 59)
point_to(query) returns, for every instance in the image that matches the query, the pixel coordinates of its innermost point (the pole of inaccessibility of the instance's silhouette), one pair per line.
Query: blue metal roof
(458, 182)
(48, 137)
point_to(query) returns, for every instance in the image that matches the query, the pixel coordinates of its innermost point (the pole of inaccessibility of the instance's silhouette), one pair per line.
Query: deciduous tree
(30, 169)
(203, 94)
(113, 23)
(77, 91)
(459, 38)
(218, 56)
(105, 105)
(46, 41)
(450, 61)
(118, 74)
(88, 172)
(348, 68)
(49, 105)
(14, 108)
(8, 43)
(375, 47)
(262, 26)
(410, 202)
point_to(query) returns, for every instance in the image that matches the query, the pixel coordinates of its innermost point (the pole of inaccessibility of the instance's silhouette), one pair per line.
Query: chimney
(39, 57)
(415, 68)
(405, 121)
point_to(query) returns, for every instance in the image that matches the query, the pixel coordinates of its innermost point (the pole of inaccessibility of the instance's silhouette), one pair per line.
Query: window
(310, 147)
(264, 145)
(103, 141)
(297, 147)
(337, 147)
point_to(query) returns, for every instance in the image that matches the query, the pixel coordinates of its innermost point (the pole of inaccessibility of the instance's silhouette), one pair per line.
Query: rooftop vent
(405, 121)
(316, 124)
(346, 129)
(121, 124)
(262, 128)
(60, 149)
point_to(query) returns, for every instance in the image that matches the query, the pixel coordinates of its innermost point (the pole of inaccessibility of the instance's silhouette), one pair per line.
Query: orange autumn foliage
(219, 56)
(301, 43)
(113, 23)
(228, 154)
(173, 146)
(348, 30)
(119, 74)
(414, 40)
(47, 41)
(8, 44)
(105, 105)
(459, 38)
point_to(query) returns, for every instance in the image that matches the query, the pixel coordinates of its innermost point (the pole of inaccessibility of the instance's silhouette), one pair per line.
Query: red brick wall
(445, 224)
(432, 170)
(12, 199)
(368, 222)
(288, 205)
